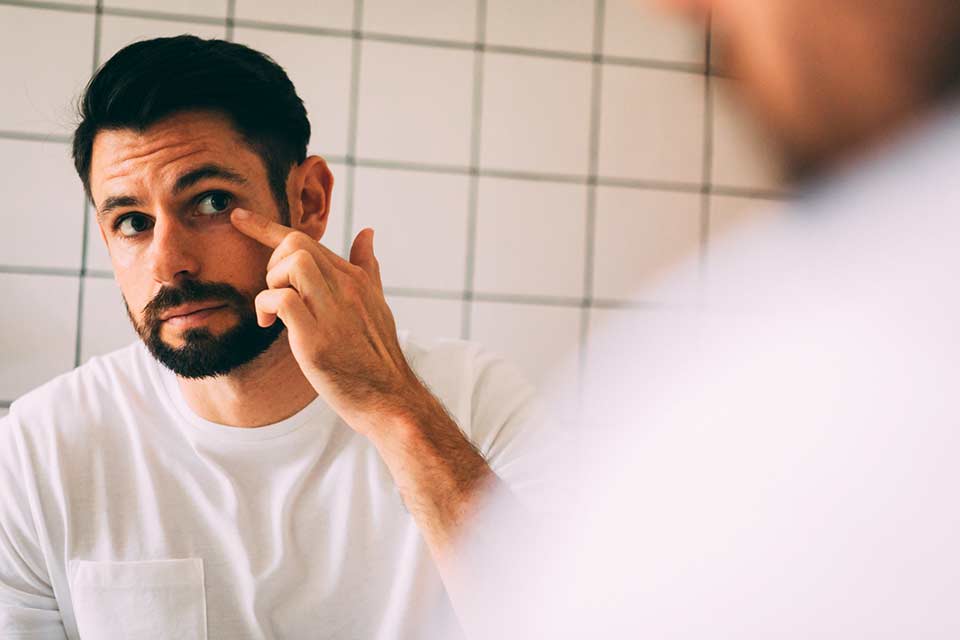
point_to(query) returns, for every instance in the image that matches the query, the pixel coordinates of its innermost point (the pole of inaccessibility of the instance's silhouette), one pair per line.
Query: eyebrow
(184, 182)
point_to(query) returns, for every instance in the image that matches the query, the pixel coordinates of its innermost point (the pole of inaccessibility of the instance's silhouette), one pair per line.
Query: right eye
(132, 224)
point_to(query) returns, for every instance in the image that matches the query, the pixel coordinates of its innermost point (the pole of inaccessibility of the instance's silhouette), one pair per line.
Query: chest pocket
(155, 600)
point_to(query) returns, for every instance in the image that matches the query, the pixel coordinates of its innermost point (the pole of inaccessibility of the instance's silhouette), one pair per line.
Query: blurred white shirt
(783, 462)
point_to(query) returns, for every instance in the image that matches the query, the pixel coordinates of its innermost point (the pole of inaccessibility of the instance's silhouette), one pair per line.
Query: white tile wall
(420, 223)
(501, 250)
(641, 236)
(119, 31)
(651, 125)
(638, 30)
(49, 216)
(40, 82)
(106, 325)
(742, 156)
(438, 19)
(536, 114)
(558, 25)
(427, 317)
(530, 238)
(38, 331)
(539, 339)
(730, 213)
(319, 67)
(324, 14)
(415, 103)
(184, 7)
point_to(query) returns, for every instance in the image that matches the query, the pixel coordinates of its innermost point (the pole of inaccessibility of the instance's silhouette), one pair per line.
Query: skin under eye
(214, 202)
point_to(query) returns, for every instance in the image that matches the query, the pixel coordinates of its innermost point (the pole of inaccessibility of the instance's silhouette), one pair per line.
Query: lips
(187, 309)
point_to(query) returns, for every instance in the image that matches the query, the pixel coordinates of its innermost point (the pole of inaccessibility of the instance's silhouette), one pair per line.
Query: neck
(266, 390)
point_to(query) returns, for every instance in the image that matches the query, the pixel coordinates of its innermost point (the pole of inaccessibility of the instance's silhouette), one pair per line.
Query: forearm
(442, 478)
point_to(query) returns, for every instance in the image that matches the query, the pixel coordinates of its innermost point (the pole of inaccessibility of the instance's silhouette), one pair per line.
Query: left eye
(214, 203)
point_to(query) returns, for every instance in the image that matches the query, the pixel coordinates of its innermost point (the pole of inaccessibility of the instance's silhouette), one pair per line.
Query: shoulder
(461, 368)
(71, 404)
(482, 390)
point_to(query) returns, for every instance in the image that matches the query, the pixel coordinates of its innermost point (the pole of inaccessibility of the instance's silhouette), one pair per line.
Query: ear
(311, 198)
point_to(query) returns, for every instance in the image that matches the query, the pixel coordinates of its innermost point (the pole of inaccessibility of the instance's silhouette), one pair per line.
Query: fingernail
(241, 214)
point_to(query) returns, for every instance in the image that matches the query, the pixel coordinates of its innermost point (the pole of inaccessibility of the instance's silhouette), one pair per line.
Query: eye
(214, 202)
(133, 224)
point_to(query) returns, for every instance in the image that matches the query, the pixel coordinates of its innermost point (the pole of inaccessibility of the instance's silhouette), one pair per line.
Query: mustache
(192, 291)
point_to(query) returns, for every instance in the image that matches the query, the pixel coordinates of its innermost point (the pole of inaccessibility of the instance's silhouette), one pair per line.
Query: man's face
(163, 200)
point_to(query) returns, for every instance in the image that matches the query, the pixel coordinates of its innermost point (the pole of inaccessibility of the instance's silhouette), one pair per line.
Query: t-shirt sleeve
(28, 607)
(510, 427)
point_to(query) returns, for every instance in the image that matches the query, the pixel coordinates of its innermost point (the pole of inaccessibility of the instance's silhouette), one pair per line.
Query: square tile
(211, 8)
(427, 318)
(43, 78)
(652, 125)
(106, 326)
(319, 68)
(729, 214)
(558, 25)
(642, 30)
(39, 339)
(536, 114)
(324, 14)
(530, 237)
(415, 103)
(440, 19)
(119, 31)
(420, 220)
(542, 341)
(743, 156)
(643, 237)
(44, 197)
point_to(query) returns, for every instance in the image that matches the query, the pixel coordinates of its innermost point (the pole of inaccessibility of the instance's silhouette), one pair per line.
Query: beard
(204, 354)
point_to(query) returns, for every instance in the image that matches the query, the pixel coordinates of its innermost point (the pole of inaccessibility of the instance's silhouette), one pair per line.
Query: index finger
(261, 229)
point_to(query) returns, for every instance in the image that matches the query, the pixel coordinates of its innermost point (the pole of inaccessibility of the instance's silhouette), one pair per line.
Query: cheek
(237, 260)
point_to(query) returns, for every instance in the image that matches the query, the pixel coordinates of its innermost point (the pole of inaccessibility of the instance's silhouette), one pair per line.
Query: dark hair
(149, 80)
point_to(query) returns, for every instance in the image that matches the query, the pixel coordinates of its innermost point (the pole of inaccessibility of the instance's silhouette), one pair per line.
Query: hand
(340, 329)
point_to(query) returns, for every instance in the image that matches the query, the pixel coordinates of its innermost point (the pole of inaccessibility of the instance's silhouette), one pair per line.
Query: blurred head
(174, 134)
(831, 77)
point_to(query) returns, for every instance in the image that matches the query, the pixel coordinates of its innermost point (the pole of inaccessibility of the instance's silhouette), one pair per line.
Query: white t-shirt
(125, 515)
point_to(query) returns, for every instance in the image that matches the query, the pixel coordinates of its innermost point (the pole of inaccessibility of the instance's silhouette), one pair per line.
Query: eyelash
(197, 200)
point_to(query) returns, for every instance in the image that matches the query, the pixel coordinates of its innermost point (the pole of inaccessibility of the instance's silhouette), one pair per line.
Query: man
(784, 463)
(272, 461)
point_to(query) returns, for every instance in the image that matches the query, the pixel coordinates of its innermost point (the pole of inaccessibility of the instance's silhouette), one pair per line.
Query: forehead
(127, 160)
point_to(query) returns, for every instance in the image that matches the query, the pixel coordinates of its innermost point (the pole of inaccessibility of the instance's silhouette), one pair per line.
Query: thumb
(361, 255)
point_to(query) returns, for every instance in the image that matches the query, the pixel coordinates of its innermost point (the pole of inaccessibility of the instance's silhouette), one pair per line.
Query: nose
(174, 251)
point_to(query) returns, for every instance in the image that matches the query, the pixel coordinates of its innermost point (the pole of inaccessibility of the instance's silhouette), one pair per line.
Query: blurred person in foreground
(783, 462)
(271, 459)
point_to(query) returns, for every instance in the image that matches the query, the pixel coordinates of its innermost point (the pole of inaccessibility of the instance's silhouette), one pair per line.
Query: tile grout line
(357, 33)
(402, 165)
(473, 202)
(85, 241)
(708, 156)
(230, 20)
(403, 292)
(596, 99)
(356, 59)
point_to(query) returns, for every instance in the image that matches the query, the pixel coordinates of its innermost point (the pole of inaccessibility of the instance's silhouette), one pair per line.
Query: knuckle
(301, 258)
